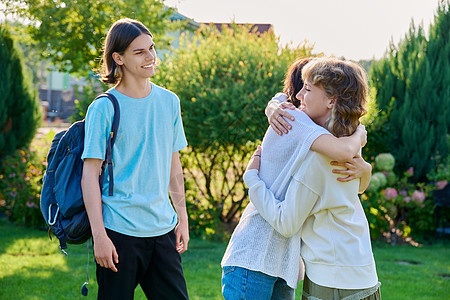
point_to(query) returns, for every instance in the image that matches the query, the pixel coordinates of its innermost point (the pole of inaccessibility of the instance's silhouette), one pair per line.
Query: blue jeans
(243, 284)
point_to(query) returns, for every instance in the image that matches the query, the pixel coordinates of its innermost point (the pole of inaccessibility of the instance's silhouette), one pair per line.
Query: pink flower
(31, 204)
(403, 193)
(390, 193)
(410, 171)
(407, 199)
(441, 184)
(418, 197)
(13, 194)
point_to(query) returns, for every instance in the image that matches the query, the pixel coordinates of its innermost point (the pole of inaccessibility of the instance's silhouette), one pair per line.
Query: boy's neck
(135, 89)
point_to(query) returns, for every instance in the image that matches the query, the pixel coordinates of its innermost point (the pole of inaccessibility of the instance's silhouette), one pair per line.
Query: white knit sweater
(328, 214)
(255, 244)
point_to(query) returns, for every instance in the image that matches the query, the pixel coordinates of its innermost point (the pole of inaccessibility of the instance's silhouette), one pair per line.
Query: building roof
(259, 28)
(179, 17)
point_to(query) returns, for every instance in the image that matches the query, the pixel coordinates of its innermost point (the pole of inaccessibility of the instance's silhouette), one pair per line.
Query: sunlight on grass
(30, 247)
(32, 258)
(406, 270)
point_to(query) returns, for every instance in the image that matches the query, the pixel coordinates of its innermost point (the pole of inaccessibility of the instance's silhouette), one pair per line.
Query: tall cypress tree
(416, 103)
(19, 105)
(381, 135)
(438, 61)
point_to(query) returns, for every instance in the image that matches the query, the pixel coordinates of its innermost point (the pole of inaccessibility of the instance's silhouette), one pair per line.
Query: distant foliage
(20, 113)
(224, 81)
(89, 91)
(412, 86)
(70, 33)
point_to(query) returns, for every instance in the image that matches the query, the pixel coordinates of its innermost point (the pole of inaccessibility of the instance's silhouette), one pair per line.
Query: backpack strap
(109, 146)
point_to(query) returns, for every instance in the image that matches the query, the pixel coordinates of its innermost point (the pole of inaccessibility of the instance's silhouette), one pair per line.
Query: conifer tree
(413, 91)
(19, 105)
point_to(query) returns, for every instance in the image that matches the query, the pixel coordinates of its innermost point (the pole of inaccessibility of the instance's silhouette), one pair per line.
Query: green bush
(20, 113)
(21, 184)
(396, 206)
(412, 92)
(224, 81)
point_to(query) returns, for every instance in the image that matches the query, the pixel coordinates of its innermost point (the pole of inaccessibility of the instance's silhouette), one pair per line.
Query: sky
(354, 29)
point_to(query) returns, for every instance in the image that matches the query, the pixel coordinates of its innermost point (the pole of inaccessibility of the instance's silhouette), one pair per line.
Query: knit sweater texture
(255, 244)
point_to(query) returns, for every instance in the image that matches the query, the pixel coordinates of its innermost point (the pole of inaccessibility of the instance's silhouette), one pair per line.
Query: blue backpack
(61, 198)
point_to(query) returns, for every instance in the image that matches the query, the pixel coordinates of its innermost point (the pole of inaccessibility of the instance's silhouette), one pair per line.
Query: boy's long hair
(121, 34)
(346, 83)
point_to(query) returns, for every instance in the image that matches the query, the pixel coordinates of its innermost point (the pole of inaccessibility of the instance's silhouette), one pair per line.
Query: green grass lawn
(32, 267)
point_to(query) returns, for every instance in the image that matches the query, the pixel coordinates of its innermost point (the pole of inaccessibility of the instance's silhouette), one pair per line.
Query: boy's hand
(182, 235)
(105, 253)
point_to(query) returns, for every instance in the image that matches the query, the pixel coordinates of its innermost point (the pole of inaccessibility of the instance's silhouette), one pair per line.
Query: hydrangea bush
(396, 207)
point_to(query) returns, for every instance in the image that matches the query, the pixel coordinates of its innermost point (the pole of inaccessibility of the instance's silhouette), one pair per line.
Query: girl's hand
(356, 168)
(363, 133)
(255, 160)
(275, 112)
(353, 169)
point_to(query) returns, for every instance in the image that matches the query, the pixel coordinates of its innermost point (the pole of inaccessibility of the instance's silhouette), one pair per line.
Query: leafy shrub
(441, 174)
(21, 183)
(224, 81)
(377, 181)
(398, 207)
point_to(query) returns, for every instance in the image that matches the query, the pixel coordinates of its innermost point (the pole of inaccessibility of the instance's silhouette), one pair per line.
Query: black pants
(152, 262)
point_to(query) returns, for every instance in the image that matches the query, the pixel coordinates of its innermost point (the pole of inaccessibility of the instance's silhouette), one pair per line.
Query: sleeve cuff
(251, 178)
(279, 97)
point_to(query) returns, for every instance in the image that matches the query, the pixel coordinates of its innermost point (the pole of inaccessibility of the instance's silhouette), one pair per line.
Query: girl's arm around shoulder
(343, 148)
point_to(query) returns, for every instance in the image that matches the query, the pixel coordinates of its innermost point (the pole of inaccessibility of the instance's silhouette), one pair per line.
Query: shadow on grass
(33, 267)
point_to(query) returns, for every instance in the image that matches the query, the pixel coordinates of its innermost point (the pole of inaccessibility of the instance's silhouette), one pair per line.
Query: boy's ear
(117, 58)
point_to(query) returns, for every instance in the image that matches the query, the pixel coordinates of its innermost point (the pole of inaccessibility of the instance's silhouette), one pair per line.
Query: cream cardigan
(328, 217)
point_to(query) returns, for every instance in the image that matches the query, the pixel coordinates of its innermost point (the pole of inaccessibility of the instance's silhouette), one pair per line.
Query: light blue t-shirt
(150, 130)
